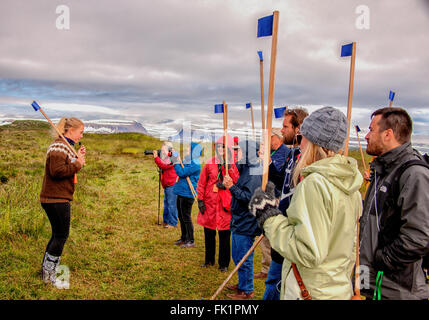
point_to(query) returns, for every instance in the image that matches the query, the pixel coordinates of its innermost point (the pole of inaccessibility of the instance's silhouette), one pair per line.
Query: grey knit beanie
(326, 127)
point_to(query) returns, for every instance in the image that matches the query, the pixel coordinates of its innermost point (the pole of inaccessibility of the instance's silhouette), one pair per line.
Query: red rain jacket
(218, 204)
(168, 174)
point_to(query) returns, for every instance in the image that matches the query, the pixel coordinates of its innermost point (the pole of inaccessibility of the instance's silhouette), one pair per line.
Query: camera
(169, 154)
(148, 152)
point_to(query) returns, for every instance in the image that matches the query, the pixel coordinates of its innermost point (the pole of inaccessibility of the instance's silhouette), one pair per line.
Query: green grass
(115, 249)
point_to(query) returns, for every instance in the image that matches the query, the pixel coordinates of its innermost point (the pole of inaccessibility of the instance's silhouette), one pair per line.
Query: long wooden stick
(261, 68)
(270, 106)
(391, 104)
(350, 99)
(255, 244)
(225, 133)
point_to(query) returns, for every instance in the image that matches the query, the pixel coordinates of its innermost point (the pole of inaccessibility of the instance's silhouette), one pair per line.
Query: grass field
(115, 249)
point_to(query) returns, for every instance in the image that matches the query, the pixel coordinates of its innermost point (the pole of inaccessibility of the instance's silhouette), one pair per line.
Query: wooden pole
(350, 99)
(267, 140)
(253, 121)
(391, 103)
(225, 132)
(261, 68)
(255, 244)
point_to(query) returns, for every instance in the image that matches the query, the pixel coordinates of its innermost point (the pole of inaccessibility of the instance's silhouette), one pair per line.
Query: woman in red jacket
(214, 203)
(168, 179)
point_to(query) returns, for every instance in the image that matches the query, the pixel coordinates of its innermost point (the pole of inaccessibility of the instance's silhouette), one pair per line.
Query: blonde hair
(312, 153)
(65, 124)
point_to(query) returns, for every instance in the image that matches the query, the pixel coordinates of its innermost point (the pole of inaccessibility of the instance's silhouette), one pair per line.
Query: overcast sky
(165, 59)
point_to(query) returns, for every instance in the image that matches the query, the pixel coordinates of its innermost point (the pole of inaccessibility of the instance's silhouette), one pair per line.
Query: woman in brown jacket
(57, 191)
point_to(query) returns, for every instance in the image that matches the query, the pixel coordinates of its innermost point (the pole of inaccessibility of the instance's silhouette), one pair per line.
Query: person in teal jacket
(185, 198)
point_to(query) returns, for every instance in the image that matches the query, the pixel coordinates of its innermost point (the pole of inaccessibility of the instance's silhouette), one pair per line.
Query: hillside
(115, 250)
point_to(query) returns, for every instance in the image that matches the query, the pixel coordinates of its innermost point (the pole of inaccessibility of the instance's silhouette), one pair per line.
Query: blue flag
(248, 105)
(218, 108)
(279, 112)
(260, 56)
(35, 106)
(357, 128)
(347, 50)
(265, 26)
(391, 95)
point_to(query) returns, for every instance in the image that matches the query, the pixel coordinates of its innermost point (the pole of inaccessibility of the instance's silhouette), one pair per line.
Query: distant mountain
(92, 126)
(114, 126)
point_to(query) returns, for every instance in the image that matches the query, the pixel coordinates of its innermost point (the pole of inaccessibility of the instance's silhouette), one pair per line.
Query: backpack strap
(405, 166)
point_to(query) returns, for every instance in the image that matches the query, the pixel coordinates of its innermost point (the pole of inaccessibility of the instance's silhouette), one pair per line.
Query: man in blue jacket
(244, 226)
(185, 198)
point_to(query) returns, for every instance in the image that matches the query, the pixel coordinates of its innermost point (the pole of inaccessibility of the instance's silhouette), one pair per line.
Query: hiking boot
(232, 287)
(260, 275)
(49, 268)
(169, 226)
(179, 242)
(241, 295)
(224, 269)
(188, 245)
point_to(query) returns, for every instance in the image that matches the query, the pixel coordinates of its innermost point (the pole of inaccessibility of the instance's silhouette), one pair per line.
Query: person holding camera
(185, 199)
(168, 179)
(214, 203)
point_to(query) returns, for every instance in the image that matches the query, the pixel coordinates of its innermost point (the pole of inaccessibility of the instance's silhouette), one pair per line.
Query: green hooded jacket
(319, 232)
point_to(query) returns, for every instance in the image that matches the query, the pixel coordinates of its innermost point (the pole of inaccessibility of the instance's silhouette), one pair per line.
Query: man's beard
(373, 149)
(288, 140)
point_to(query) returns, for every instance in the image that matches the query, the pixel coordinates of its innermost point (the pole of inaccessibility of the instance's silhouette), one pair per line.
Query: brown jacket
(60, 168)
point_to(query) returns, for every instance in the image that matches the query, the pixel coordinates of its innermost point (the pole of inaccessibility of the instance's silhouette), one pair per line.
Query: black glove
(263, 205)
(201, 206)
(220, 185)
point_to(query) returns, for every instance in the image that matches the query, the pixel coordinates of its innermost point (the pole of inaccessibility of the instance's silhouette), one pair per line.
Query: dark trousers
(224, 247)
(184, 210)
(59, 217)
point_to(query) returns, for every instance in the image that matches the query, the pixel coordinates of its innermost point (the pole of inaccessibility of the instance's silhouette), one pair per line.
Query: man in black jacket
(394, 231)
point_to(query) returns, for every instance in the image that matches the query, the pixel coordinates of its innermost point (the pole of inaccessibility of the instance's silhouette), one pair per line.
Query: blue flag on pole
(248, 105)
(357, 128)
(347, 50)
(391, 95)
(265, 26)
(260, 56)
(279, 112)
(35, 106)
(218, 108)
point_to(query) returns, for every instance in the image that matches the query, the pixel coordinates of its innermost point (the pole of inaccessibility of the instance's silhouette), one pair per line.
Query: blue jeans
(170, 209)
(239, 247)
(273, 282)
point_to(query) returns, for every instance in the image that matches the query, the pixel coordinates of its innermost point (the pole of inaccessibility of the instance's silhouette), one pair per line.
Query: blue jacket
(277, 168)
(242, 221)
(191, 169)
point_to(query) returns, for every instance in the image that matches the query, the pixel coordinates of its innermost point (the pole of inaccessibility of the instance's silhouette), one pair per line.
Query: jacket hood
(341, 171)
(196, 150)
(250, 150)
(230, 143)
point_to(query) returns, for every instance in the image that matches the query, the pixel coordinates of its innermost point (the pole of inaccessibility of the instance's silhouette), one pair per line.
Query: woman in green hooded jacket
(318, 236)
